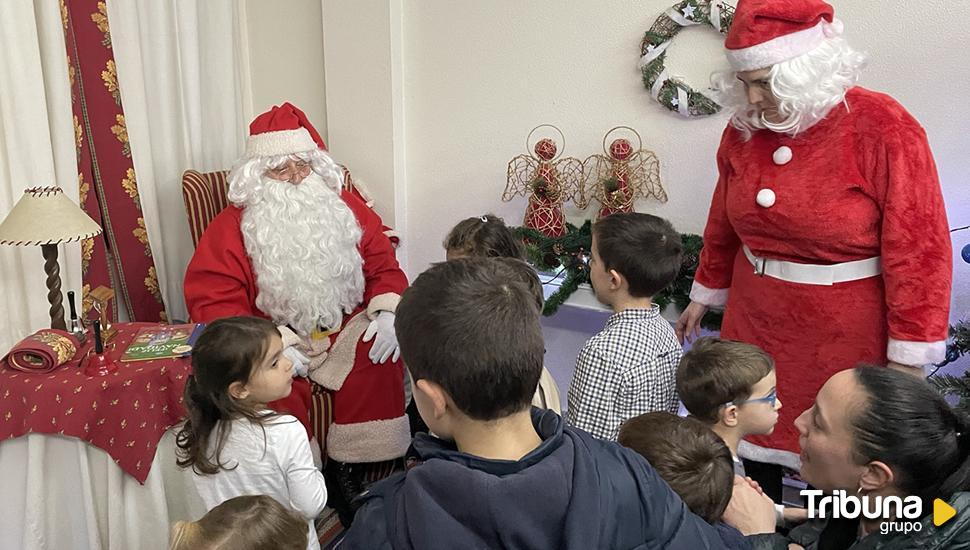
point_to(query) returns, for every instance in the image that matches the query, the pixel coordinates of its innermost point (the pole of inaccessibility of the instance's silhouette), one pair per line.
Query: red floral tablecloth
(125, 413)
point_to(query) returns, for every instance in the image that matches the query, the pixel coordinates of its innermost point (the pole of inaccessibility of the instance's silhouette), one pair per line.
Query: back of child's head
(486, 236)
(254, 522)
(472, 326)
(690, 457)
(714, 372)
(227, 351)
(644, 249)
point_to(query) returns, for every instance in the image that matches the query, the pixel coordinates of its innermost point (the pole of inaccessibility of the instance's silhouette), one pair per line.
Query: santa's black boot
(344, 483)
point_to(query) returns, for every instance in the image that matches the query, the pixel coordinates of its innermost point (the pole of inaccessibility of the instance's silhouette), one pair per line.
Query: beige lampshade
(44, 215)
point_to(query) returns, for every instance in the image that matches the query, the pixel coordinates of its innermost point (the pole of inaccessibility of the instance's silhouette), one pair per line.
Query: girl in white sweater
(231, 440)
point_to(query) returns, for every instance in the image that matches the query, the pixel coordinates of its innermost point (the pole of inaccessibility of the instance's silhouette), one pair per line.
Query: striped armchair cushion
(205, 196)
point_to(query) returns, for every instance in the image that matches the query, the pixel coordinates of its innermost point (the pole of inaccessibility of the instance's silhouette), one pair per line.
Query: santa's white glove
(385, 345)
(301, 363)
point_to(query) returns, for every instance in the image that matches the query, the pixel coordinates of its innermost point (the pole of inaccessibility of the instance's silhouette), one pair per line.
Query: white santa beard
(302, 242)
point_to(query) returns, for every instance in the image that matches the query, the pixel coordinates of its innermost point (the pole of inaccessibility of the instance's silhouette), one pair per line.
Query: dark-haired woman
(876, 432)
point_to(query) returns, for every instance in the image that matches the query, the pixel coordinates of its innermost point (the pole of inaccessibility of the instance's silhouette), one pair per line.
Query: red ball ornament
(620, 149)
(546, 149)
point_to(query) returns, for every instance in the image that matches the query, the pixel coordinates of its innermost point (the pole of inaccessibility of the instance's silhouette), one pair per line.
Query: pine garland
(955, 386)
(570, 253)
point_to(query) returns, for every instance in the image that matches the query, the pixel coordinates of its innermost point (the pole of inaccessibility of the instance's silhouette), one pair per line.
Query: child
(692, 459)
(250, 522)
(502, 474)
(628, 368)
(730, 386)
(488, 236)
(233, 443)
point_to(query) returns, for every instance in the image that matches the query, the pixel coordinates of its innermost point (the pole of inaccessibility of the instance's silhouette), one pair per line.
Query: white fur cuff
(711, 297)
(383, 302)
(915, 353)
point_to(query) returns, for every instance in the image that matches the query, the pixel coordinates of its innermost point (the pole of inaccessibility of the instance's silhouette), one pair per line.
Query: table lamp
(45, 216)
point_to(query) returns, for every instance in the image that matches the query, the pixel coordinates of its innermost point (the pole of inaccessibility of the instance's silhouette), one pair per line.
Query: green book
(163, 342)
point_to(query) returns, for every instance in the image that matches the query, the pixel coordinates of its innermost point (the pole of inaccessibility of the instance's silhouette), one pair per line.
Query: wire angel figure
(621, 177)
(549, 181)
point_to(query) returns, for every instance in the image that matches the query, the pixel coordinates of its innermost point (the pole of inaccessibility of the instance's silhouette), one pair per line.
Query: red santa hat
(282, 130)
(767, 32)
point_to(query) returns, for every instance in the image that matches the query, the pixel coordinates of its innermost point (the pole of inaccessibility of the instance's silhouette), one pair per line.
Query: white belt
(810, 274)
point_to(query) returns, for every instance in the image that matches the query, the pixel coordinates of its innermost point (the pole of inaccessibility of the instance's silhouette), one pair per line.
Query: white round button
(766, 198)
(782, 155)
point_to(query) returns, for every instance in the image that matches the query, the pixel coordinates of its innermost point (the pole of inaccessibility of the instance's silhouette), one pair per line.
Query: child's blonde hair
(254, 522)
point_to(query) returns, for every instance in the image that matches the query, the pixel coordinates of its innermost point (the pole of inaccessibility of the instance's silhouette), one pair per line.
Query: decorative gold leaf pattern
(142, 235)
(86, 301)
(78, 131)
(83, 189)
(151, 283)
(87, 250)
(131, 186)
(120, 130)
(110, 78)
(100, 19)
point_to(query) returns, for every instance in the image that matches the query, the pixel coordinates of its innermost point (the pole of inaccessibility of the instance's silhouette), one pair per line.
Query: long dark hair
(910, 427)
(227, 351)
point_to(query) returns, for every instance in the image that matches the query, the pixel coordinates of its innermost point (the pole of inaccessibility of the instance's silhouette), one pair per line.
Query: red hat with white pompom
(283, 130)
(767, 32)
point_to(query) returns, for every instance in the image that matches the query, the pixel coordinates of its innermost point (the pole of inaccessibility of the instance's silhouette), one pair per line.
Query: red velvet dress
(860, 183)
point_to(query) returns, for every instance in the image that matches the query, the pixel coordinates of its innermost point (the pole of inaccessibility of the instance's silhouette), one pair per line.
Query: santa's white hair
(301, 239)
(807, 88)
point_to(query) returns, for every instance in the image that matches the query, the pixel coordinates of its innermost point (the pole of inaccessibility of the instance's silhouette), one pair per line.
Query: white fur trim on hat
(776, 50)
(279, 143)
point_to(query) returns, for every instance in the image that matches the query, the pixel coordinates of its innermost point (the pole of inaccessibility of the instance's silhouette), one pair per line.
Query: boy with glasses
(730, 386)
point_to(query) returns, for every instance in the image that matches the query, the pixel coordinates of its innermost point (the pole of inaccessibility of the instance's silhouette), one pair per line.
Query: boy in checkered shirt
(628, 368)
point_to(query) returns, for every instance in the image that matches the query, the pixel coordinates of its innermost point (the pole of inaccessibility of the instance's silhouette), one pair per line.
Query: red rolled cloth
(42, 351)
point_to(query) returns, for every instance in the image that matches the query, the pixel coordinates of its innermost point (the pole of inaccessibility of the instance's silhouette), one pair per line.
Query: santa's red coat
(220, 282)
(861, 183)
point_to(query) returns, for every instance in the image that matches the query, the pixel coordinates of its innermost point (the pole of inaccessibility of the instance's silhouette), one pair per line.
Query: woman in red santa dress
(827, 240)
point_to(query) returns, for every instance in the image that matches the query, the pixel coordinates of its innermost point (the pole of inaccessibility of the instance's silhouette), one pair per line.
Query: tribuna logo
(898, 514)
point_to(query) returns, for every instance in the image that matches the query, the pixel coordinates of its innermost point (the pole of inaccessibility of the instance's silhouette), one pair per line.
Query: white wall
(286, 63)
(479, 75)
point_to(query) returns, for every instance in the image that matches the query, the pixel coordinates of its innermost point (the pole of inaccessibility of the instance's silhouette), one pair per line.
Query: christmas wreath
(670, 91)
(569, 254)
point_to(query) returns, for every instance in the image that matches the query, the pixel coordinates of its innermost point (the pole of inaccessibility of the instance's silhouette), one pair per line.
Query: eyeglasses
(771, 399)
(288, 170)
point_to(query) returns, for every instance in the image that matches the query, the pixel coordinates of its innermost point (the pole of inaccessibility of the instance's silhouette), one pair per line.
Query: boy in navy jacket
(499, 474)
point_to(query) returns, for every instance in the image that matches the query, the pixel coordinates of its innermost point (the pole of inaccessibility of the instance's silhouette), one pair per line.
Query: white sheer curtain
(36, 149)
(183, 75)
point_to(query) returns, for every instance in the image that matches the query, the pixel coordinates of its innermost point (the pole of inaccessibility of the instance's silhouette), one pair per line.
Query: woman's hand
(689, 324)
(749, 512)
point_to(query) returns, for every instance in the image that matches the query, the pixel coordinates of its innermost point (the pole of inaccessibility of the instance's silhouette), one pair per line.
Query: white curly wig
(807, 88)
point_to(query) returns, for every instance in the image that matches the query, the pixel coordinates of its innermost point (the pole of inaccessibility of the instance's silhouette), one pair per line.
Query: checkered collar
(634, 314)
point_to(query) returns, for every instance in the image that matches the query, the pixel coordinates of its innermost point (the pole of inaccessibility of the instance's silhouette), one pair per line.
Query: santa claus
(298, 248)
(827, 240)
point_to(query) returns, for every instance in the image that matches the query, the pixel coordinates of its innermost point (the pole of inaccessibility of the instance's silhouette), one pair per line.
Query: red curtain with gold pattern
(122, 260)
